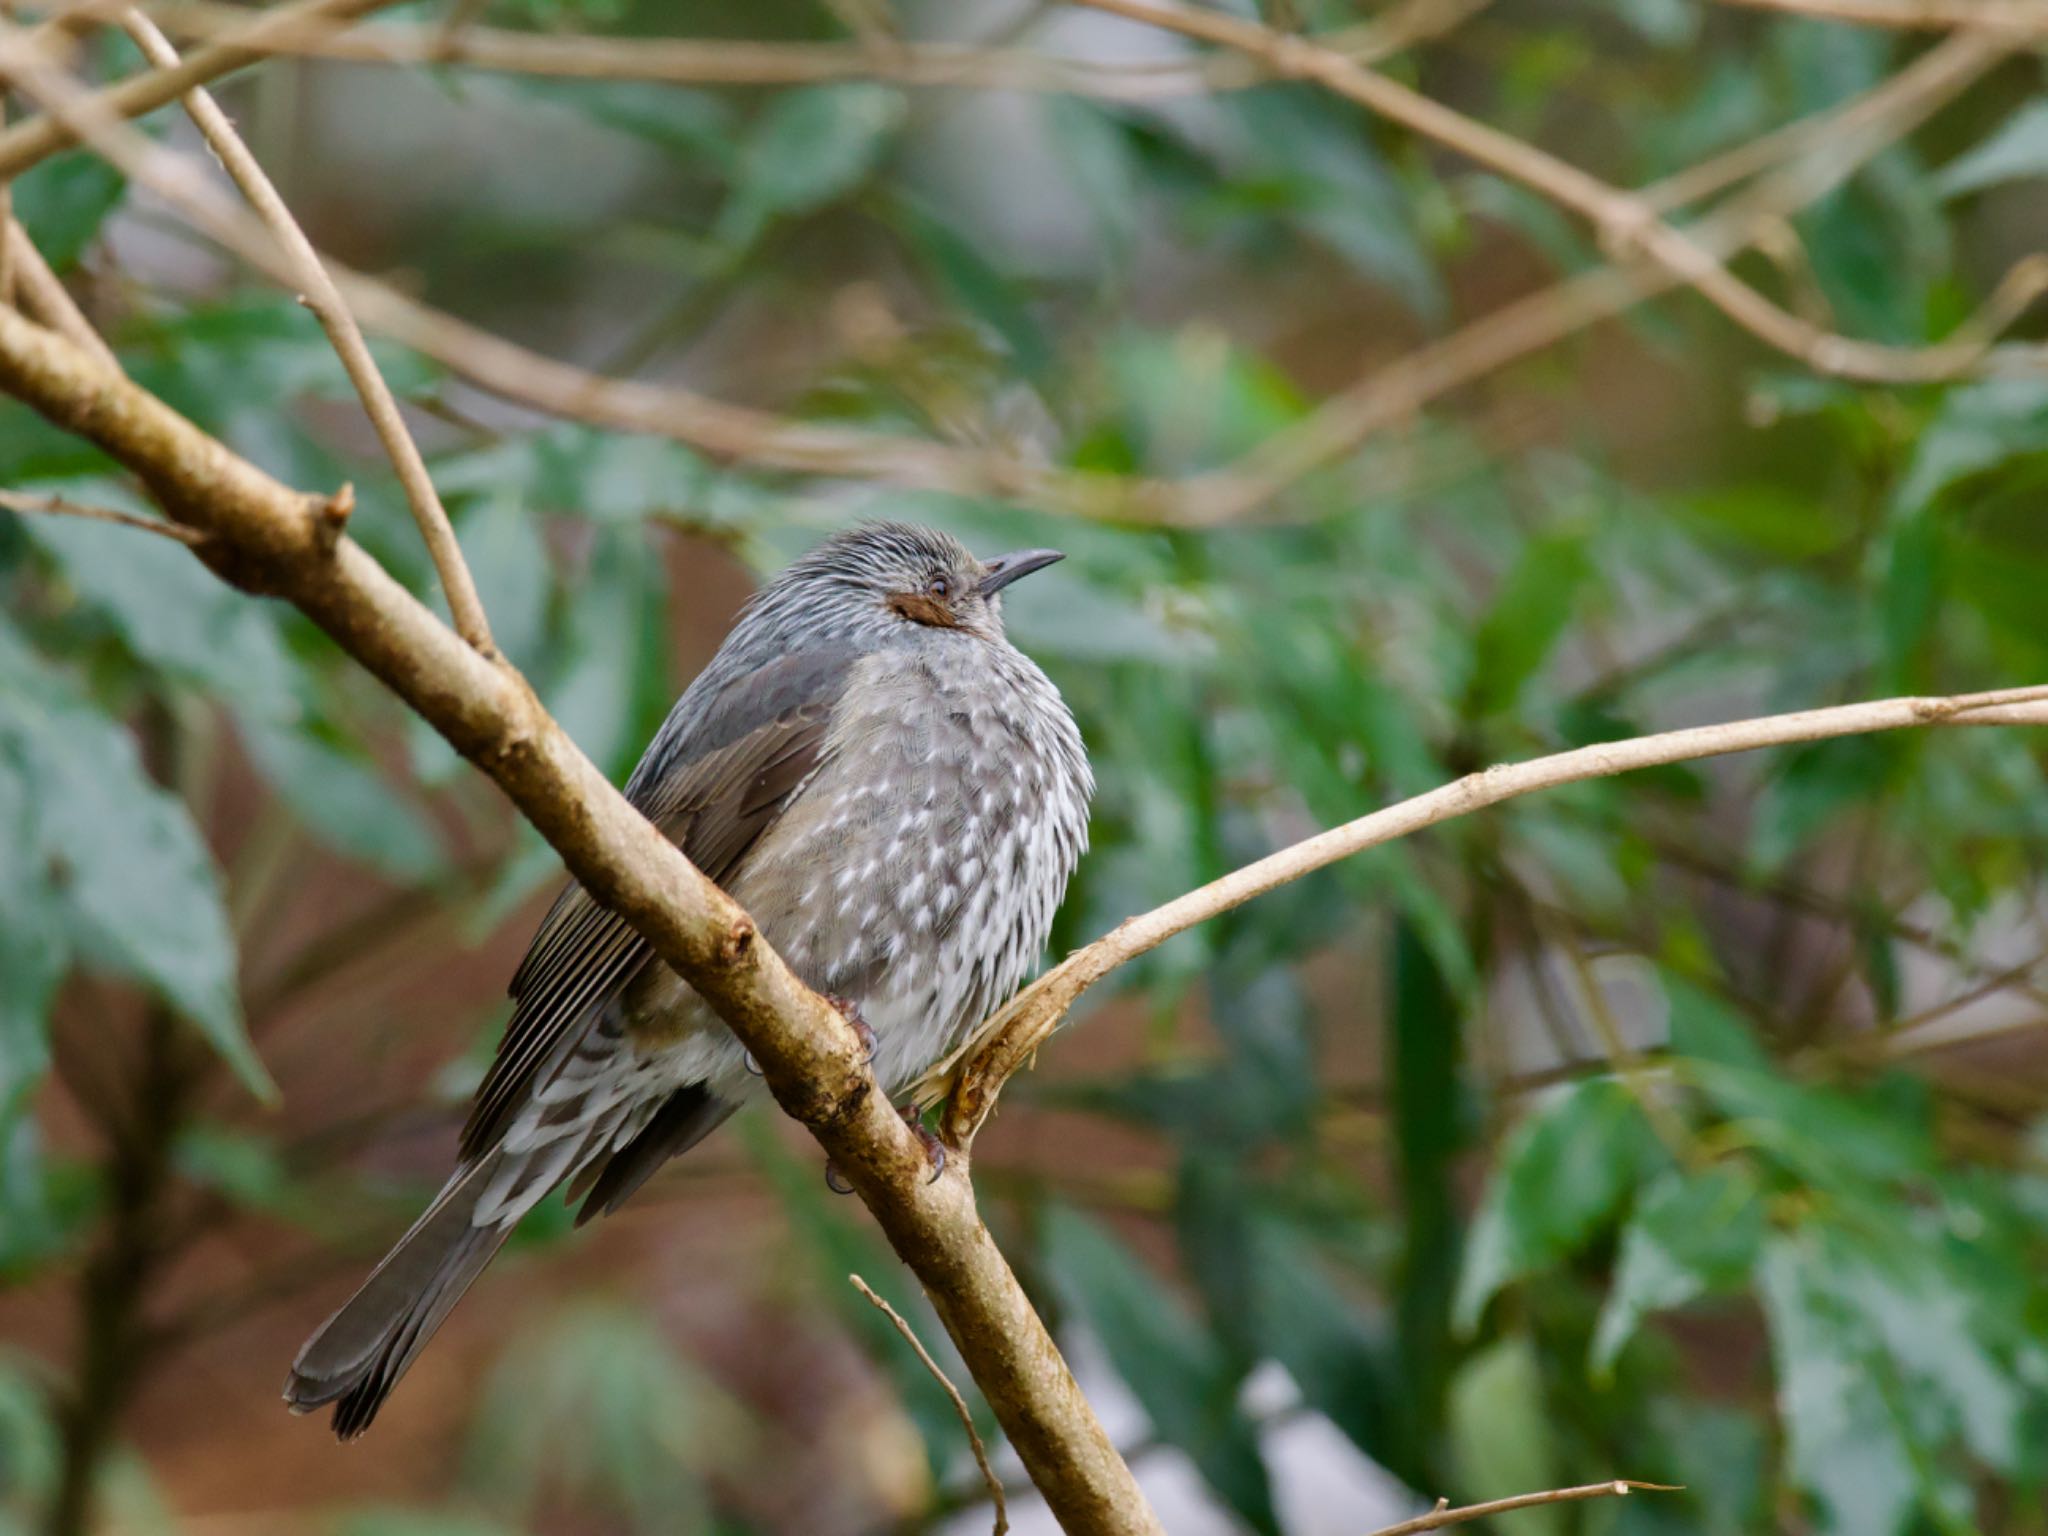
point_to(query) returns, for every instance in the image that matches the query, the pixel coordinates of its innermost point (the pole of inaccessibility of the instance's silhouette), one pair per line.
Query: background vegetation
(1685, 1127)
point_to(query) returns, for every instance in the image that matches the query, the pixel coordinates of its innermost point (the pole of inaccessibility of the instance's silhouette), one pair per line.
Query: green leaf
(2017, 152)
(502, 545)
(1689, 1235)
(1425, 1053)
(416, 1522)
(695, 126)
(975, 283)
(138, 894)
(596, 1402)
(1340, 1356)
(1097, 154)
(809, 148)
(1846, 1443)
(171, 611)
(33, 953)
(1501, 1433)
(612, 689)
(1980, 427)
(344, 800)
(241, 1166)
(1179, 1374)
(1345, 197)
(62, 203)
(1774, 522)
(1563, 1178)
(1529, 613)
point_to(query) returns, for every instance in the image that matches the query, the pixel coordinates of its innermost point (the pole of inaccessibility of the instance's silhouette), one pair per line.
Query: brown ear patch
(922, 609)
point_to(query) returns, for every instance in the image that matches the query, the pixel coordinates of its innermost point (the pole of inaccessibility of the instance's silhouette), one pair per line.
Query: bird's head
(894, 579)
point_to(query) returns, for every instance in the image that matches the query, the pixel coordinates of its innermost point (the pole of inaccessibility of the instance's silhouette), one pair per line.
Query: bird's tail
(359, 1353)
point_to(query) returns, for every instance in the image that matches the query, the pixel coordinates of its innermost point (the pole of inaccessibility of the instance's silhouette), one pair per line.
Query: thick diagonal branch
(285, 251)
(269, 539)
(1009, 1038)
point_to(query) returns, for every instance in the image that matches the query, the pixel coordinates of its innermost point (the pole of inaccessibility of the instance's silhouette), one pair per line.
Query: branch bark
(1624, 224)
(989, 1479)
(43, 295)
(2018, 19)
(1009, 1038)
(269, 539)
(1444, 1514)
(320, 295)
(28, 143)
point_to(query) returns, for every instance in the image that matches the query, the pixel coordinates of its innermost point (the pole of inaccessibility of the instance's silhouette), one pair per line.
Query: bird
(894, 792)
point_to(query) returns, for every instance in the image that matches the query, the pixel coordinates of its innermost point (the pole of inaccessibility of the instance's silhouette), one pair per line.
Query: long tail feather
(359, 1354)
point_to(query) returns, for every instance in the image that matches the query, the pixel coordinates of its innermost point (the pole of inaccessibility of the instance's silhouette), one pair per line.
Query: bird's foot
(849, 1010)
(934, 1149)
(934, 1153)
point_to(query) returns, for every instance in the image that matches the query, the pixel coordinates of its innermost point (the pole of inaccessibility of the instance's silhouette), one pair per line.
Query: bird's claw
(753, 1067)
(934, 1153)
(934, 1149)
(849, 1010)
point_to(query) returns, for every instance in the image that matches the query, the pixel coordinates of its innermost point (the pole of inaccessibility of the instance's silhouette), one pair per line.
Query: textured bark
(266, 538)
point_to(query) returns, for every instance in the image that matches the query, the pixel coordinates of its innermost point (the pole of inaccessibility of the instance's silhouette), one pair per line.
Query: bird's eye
(938, 587)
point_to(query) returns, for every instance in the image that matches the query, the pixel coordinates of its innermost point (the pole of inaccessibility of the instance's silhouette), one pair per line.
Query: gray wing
(713, 791)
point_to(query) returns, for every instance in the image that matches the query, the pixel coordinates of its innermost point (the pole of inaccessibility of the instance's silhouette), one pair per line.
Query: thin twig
(974, 1075)
(1444, 1515)
(743, 62)
(1623, 223)
(277, 246)
(35, 140)
(320, 295)
(44, 297)
(2018, 18)
(988, 1472)
(64, 506)
(1849, 134)
(6, 216)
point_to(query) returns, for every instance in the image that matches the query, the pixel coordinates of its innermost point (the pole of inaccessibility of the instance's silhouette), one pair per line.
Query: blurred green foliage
(1603, 1135)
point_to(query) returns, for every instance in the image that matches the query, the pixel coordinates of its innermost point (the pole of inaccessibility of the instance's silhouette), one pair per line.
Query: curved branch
(1444, 1514)
(1852, 133)
(1007, 1040)
(35, 140)
(269, 539)
(320, 295)
(2015, 18)
(1625, 224)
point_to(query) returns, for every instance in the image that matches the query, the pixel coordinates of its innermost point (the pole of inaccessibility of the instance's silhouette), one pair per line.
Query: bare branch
(7, 248)
(36, 140)
(1851, 134)
(2015, 18)
(1007, 1040)
(43, 295)
(64, 506)
(1623, 223)
(267, 538)
(988, 1472)
(1444, 1515)
(319, 294)
(724, 61)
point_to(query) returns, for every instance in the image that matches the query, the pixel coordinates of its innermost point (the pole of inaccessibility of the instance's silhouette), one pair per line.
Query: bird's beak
(1005, 569)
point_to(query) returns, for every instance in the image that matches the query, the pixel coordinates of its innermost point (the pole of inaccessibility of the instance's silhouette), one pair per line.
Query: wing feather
(714, 790)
